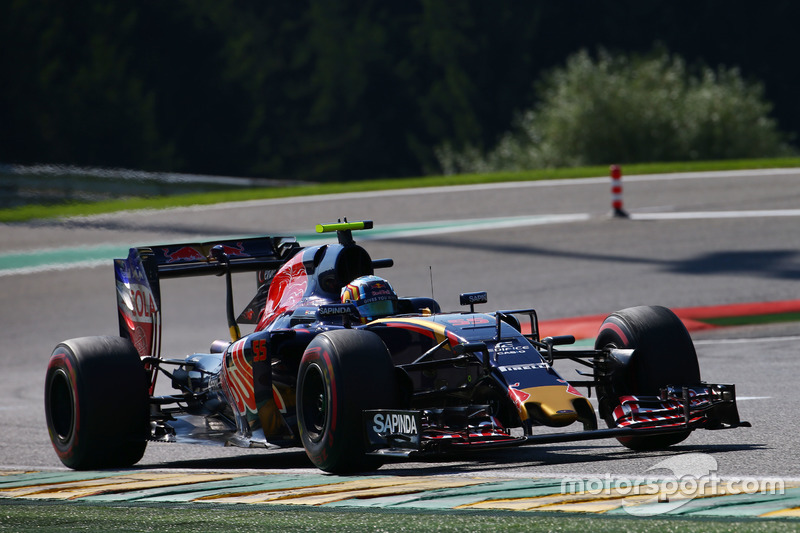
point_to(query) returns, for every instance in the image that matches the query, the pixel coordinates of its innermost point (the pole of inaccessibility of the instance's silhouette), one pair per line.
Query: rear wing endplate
(138, 278)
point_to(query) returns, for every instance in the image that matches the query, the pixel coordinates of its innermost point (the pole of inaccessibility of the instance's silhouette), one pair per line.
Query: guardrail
(46, 184)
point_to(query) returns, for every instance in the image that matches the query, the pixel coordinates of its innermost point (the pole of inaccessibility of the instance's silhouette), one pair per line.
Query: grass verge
(22, 516)
(30, 212)
(753, 320)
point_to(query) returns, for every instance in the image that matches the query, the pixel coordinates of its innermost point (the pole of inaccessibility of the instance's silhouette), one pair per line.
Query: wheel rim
(62, 406)
(315, 403)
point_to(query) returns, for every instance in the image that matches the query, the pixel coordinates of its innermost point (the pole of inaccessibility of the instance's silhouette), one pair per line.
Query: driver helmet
(373, 296)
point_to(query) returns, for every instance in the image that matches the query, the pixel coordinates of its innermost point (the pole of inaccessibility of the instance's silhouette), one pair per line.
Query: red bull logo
(570, 388)
(517, 396)
(182, 254)
(237, 374)
(286, 290)
(235, 251)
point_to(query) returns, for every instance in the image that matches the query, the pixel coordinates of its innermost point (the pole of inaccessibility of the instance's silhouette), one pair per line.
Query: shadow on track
(527, 459)
(772, 264)
(273, 460)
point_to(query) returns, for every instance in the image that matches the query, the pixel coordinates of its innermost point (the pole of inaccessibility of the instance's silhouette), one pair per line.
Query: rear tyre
(665, 355)
(96, 403)
(342, 373)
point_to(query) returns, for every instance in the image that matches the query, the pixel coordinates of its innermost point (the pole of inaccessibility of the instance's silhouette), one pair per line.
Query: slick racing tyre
(665, 355)
(342, 373)
(96, 403)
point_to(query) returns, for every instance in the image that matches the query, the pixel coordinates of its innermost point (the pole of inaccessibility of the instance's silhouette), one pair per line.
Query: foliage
(629, 109)
(71, 86)
(327, 91)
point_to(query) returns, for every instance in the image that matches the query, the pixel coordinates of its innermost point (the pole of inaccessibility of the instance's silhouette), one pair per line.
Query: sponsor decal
(525, 366)
(333, 310)
(140, 341)
(474, 298)
(183, 254)
(286, 290)
(394, 422)
(517, 396)
(570, 389)
(144, 306)
(235, 251)
(378, 296)
(238, 374)
(136, 303)
(392, 428)
(511, 348)
(472, 320)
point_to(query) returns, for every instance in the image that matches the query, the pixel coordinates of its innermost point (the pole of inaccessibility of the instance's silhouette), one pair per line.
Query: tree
(630, 108)
(71, 92)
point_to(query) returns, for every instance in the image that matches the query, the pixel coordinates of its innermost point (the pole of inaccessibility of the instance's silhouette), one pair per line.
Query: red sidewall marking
(332, 385)
(62, 360)
(616, 329)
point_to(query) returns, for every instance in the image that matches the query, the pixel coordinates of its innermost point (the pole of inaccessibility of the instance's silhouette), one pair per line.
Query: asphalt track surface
(693, 240)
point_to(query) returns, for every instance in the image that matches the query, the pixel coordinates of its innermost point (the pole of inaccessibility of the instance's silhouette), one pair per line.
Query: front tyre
(665, 355)
(96, 403)
(342, 373)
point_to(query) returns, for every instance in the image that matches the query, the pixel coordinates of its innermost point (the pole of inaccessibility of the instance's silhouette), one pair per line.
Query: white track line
(697, 215)
(745, 340)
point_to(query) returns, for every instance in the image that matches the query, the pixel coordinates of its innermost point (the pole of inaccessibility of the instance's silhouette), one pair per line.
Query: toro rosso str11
(340, 365)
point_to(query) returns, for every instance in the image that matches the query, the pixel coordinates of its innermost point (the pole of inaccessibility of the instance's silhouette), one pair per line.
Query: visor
(378, 309)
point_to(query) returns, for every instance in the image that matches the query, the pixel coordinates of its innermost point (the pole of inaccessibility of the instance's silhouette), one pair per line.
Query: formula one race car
(340, 365)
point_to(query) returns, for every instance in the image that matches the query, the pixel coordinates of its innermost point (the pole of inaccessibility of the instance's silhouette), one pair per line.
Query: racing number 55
(259, 350)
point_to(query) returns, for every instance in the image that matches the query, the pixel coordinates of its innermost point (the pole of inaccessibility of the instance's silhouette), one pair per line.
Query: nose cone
(552, 405)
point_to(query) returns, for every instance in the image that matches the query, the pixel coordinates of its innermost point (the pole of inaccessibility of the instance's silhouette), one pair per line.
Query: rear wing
(245, 255)
(138, 278)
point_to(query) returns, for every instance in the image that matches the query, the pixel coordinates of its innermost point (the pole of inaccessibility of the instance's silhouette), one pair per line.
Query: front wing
(408, 433)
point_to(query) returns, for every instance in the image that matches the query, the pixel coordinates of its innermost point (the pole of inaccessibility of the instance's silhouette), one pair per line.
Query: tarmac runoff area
(699, 496)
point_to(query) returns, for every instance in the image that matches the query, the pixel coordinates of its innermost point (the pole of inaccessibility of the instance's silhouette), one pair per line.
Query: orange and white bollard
(616, 192)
